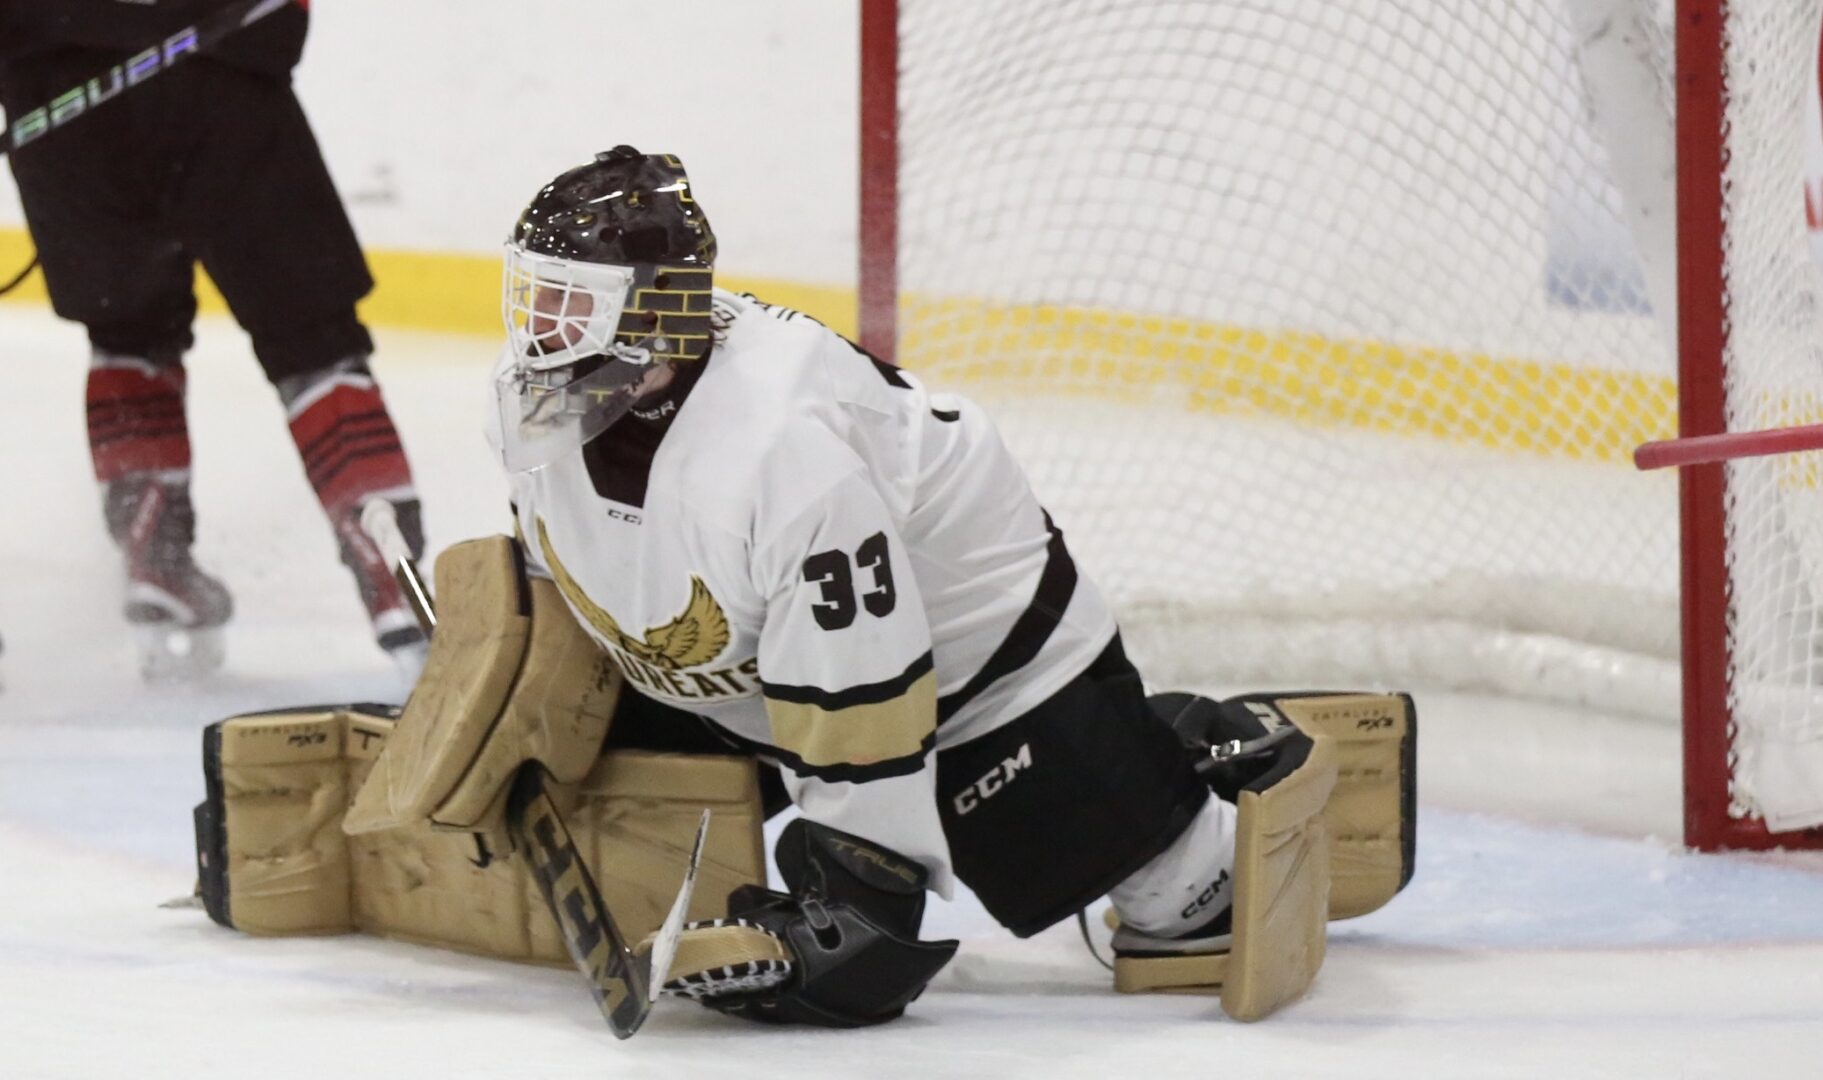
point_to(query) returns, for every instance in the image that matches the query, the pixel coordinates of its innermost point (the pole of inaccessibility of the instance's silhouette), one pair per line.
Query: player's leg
(352, 454)
(94, 198)
(1219, 876)
(1372, 816)
(140, 446)
(259, 209)
(1058, 808)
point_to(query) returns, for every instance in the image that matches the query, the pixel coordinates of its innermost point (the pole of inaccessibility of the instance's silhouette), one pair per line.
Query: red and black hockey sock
(136, 418)
(352, 454)
(343, 432)
(140, 445)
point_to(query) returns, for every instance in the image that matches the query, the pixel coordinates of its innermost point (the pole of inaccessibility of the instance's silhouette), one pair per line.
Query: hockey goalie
(756, 568)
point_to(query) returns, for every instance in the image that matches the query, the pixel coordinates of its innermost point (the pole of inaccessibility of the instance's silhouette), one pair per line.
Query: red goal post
(1422, 317)
(1704, 438)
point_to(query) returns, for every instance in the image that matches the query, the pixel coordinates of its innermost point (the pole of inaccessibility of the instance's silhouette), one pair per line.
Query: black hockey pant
(1045, 814)
(202, 163)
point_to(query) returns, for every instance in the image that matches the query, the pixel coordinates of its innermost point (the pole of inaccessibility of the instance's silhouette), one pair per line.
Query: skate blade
(170, 654)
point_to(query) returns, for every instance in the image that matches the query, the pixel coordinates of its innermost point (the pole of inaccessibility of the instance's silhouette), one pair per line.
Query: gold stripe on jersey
(863, 734)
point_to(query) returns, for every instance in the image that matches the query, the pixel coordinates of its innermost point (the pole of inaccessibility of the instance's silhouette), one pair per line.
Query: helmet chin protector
(607, 285)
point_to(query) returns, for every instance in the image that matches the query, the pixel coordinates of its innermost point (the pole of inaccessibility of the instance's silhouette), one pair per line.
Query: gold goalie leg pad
(1281, 886)
(273, 857)
(1281, 891)
(1372, 816)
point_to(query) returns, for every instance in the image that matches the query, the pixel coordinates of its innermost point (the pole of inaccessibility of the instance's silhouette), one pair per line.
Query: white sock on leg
(1187, 884)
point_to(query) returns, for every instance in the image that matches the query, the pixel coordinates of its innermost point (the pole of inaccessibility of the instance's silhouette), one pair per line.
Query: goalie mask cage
(1326, 331)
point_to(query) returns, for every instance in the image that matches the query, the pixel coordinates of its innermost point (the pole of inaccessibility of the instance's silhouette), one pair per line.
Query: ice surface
(1554, 928)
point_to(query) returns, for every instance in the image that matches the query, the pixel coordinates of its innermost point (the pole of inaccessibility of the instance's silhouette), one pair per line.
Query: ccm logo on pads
(997, 777)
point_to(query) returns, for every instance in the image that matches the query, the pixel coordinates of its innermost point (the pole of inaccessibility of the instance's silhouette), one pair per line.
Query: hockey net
(1327, 331)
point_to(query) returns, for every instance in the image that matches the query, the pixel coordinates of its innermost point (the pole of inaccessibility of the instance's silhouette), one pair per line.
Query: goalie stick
(664, 942)
(624, 983)
(616, 977)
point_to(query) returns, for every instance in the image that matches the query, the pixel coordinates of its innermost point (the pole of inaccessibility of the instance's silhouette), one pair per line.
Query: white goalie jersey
(841, 570)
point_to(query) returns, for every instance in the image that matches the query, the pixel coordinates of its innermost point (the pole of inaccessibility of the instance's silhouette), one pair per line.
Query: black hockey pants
(202, 163)
(1045, 814)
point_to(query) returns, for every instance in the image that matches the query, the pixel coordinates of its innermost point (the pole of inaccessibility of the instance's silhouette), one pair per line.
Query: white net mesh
(1318, 325)
(1774, 365)
(1325, 331)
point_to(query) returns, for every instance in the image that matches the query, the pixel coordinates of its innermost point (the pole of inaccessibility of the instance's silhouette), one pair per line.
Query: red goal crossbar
(1727, 446)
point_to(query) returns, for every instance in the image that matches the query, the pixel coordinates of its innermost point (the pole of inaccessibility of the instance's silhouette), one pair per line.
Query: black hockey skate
(177, 611)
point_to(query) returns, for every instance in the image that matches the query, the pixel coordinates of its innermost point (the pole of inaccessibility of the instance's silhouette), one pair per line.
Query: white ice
(1555, 927)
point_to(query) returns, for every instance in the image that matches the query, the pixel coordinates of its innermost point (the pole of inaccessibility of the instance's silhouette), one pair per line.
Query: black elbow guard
(851, 924)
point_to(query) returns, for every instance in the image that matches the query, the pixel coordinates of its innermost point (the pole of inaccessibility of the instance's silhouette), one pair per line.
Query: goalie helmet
(606, 290)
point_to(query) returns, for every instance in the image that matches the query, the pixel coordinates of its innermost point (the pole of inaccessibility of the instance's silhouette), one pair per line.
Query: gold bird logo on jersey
(692, 639)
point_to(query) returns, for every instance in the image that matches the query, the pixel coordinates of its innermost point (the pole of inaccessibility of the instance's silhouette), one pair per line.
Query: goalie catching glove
(840, 949)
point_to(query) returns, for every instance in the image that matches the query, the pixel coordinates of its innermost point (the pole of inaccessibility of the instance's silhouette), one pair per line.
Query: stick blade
(664, 945)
